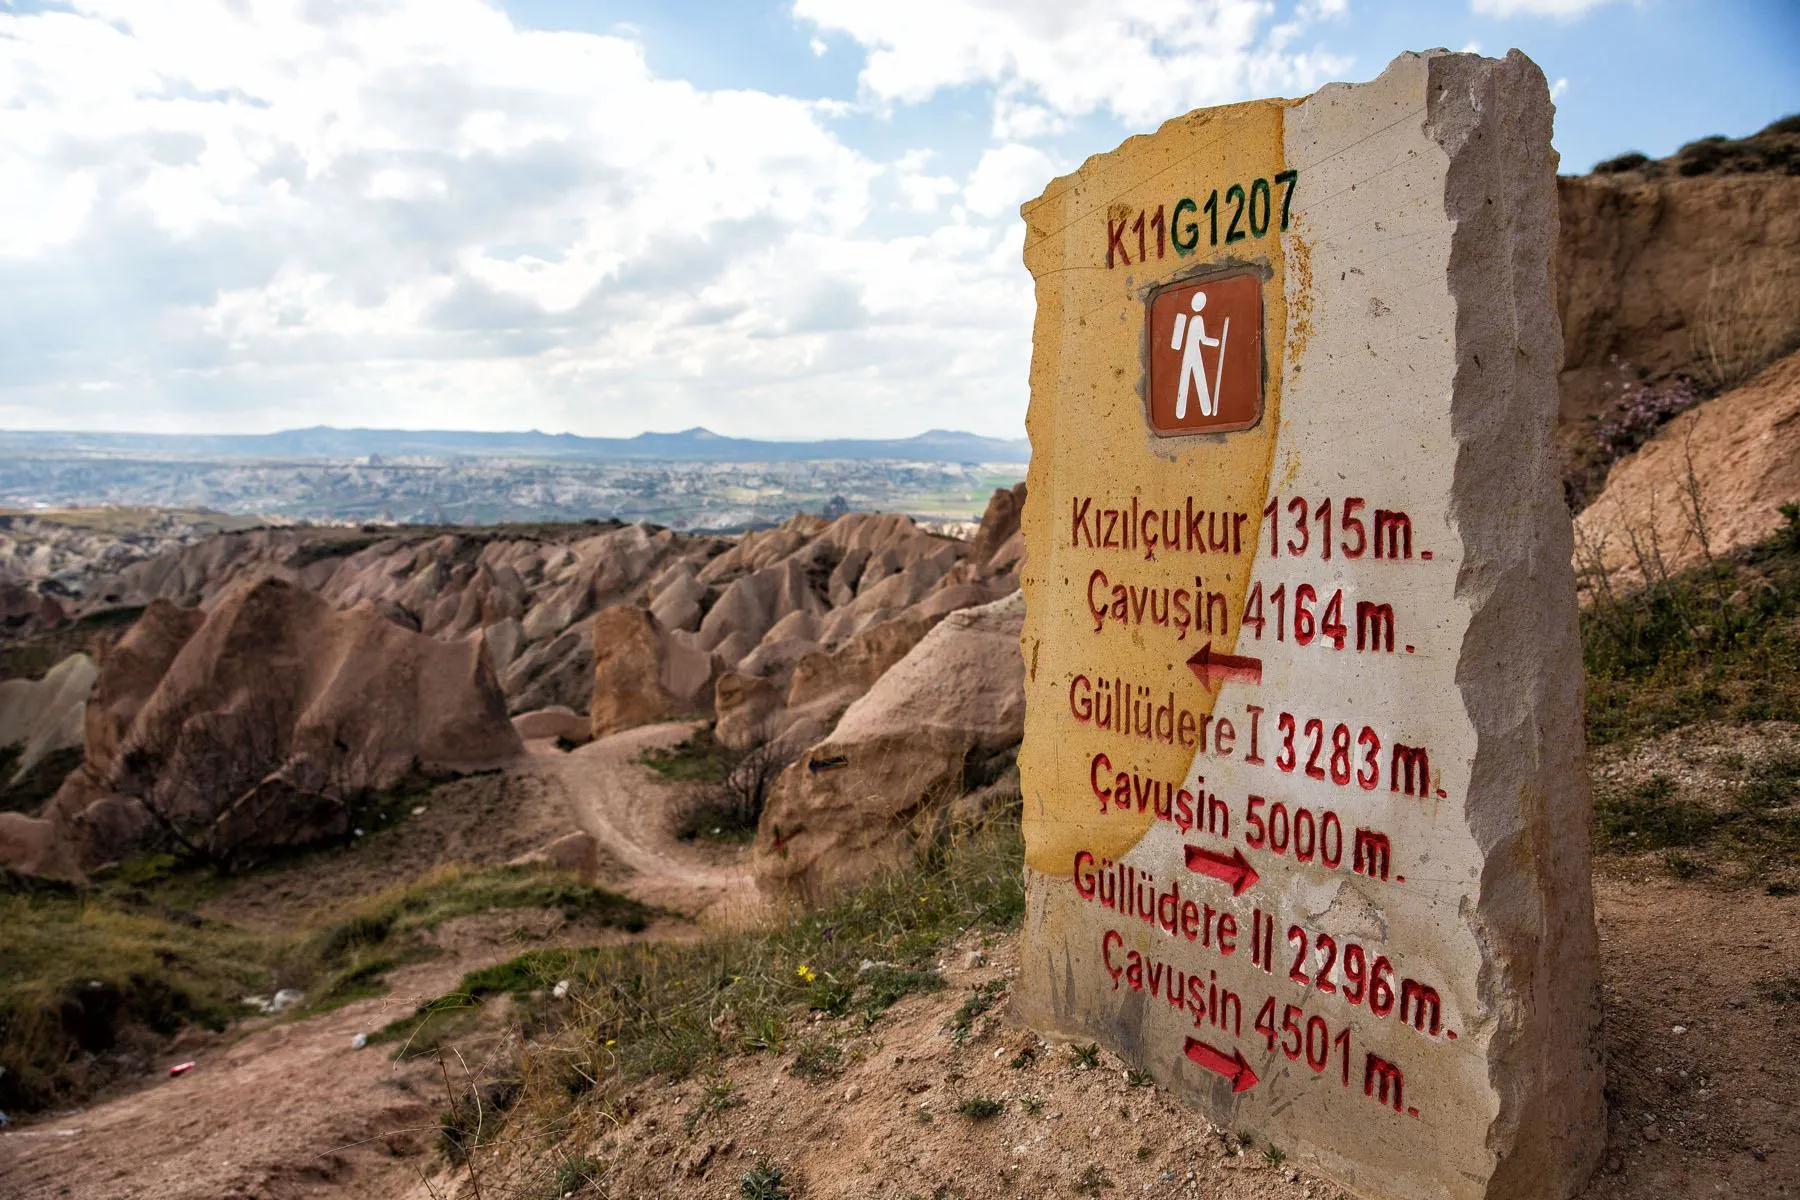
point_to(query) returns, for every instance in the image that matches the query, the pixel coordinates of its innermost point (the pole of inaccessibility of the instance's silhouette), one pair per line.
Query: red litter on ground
(181, 1068)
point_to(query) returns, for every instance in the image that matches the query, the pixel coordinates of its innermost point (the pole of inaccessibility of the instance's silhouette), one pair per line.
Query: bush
(699, 759)
(763, 1182)
(733, 785)
(981, 1108)
(1638, 413)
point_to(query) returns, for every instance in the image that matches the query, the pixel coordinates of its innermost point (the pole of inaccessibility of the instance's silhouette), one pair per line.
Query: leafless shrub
(731, 805)
(745, 788)
(223, 784)
(1744, 323)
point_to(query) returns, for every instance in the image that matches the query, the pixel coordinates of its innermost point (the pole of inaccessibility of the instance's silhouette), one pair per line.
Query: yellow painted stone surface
(1305, 807)
(1094, 444)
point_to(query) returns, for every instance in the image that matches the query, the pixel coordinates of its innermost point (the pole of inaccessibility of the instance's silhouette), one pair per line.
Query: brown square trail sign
(1305, 796)
(1205, 355)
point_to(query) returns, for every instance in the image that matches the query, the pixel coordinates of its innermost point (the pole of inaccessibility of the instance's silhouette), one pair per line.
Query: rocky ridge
(258, 724)
(277, 673)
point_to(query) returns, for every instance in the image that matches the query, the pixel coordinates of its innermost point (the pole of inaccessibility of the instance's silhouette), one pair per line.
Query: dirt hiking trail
(276, 1109)
(631, 812)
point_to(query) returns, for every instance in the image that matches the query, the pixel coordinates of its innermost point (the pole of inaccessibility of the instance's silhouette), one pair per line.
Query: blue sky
(783, 219)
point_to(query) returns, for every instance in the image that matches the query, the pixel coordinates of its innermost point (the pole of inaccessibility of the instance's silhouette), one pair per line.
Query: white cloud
(818, 47)
(921, 191)
(1558, 88)
(1566, 10)
(1139, 60)
(1006, 177)
(411, 212)
(1018, 119)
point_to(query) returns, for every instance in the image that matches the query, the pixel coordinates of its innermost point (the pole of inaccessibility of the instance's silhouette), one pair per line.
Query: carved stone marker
(1306, 801)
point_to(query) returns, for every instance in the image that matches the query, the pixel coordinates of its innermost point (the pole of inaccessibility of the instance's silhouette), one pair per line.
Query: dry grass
(1717, 802)
(806, 986)
(1719, 640)
(103, 973)
(1746, 321)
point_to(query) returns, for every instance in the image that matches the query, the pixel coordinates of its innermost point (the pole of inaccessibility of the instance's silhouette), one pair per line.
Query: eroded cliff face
(1661, 274)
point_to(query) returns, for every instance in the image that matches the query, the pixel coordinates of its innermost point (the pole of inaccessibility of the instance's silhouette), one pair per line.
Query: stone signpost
(1305, 796)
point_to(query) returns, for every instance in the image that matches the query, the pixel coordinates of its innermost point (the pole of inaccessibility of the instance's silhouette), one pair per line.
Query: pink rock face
(256, 725)
(548, 723)
(1744, 451)
(897, 757)
(629, 652)
(757, 604)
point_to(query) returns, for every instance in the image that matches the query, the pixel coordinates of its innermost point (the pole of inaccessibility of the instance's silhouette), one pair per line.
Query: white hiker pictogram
(1190, 337)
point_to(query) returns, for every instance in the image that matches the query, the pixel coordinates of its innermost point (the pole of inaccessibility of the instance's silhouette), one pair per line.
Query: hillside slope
(1711, 481)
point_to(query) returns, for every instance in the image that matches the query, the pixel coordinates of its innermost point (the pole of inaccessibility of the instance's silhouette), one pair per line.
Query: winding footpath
(283, 1110)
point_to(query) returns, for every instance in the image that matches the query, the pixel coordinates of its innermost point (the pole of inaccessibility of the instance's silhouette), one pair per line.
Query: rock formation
(527, 596)
(874, 585)
(260, 724)
(856, 803)
(779, 633)
(554, 723)
(26, 610)
(45, 715)
(641, 675)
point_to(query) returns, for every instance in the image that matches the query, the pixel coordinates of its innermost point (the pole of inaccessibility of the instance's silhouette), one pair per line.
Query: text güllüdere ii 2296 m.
(1305, 794)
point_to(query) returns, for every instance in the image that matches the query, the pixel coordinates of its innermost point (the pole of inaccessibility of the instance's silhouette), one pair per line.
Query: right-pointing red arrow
(1232, 1067)
(1235, 870)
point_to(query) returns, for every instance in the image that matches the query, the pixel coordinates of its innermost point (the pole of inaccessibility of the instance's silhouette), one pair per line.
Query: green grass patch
(646, 1009)
(88, 982)
(980, 1001)
(1755, 819)
(122, 962)
(763, 1182)
(712, 821)
(981, 1108)
(1718, 642)
(817, 1060)
(699, 759)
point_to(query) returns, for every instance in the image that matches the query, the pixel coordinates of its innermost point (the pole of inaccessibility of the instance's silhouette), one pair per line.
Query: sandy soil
(290, 1110)
(1704, 1098)
(631, 813)
(1711, 1111)
(287, 1109)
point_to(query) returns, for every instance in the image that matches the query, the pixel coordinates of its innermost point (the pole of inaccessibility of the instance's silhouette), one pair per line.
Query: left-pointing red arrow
(1235, 870)
(1232, 1067)
(1210, 668)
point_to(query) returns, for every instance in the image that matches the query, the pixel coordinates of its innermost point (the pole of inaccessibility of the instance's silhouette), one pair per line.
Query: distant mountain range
(690, 445)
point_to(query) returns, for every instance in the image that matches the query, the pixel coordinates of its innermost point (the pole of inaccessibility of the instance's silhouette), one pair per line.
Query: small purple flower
(1639, 411)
